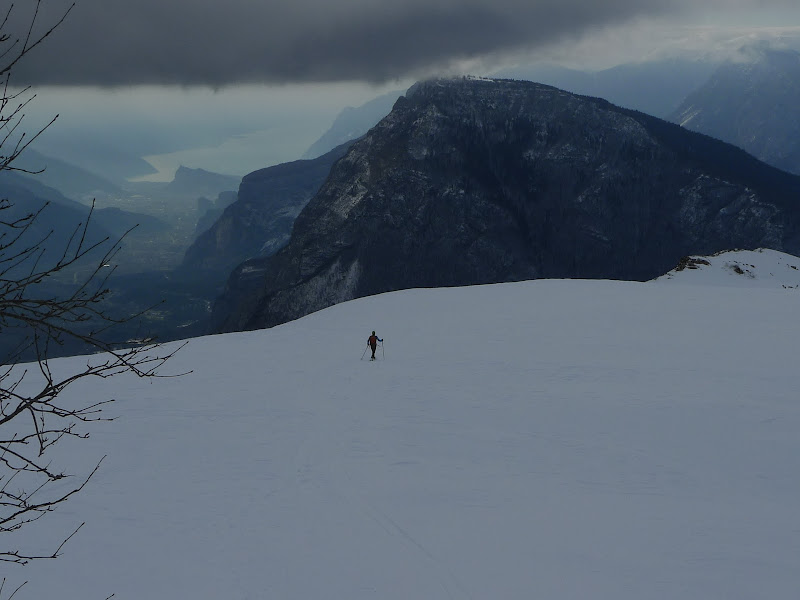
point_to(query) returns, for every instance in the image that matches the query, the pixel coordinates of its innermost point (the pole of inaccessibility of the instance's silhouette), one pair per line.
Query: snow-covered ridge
(739, 268)
(555, 439)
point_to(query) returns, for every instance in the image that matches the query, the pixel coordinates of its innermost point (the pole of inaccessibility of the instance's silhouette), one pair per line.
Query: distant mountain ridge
(73, 181)
(352, 123)
(654, 87)
(260, 221)
(479, 181)
(199, 182)
(753, 103)
(58, 219)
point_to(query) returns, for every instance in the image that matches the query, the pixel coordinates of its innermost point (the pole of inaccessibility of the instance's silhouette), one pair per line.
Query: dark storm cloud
(220, 42)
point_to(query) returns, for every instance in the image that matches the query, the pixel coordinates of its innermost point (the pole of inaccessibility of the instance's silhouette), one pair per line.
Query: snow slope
(547, 439)
(741, 268)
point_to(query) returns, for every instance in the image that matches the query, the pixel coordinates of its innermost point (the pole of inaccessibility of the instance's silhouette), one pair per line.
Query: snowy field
(538, 440)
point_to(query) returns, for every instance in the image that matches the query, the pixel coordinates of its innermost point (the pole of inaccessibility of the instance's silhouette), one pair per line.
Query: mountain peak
(481, 181)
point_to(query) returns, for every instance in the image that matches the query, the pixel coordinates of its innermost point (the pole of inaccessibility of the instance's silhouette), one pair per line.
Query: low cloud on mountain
(206, 42)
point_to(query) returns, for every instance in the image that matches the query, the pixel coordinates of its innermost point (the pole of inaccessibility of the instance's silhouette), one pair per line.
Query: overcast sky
(236, 85)
(216, 43)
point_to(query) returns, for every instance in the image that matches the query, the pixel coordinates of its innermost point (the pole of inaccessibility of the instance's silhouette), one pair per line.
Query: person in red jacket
(372, 342)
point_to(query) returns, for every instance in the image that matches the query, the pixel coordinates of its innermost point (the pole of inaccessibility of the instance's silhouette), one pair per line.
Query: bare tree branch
(14, 593)
(35, 414)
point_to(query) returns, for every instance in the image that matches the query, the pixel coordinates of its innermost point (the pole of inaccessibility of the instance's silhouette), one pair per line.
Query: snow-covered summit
(739, 268)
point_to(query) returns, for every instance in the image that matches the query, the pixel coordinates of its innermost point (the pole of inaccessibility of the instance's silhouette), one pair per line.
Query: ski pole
(363, 354)
(383, 352)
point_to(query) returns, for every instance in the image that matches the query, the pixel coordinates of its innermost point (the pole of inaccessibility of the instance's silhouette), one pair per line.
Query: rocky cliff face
(259, 222)
(479, 181)
(754, 104)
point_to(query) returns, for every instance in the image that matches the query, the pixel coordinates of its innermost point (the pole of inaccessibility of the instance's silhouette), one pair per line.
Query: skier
(372, 342)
